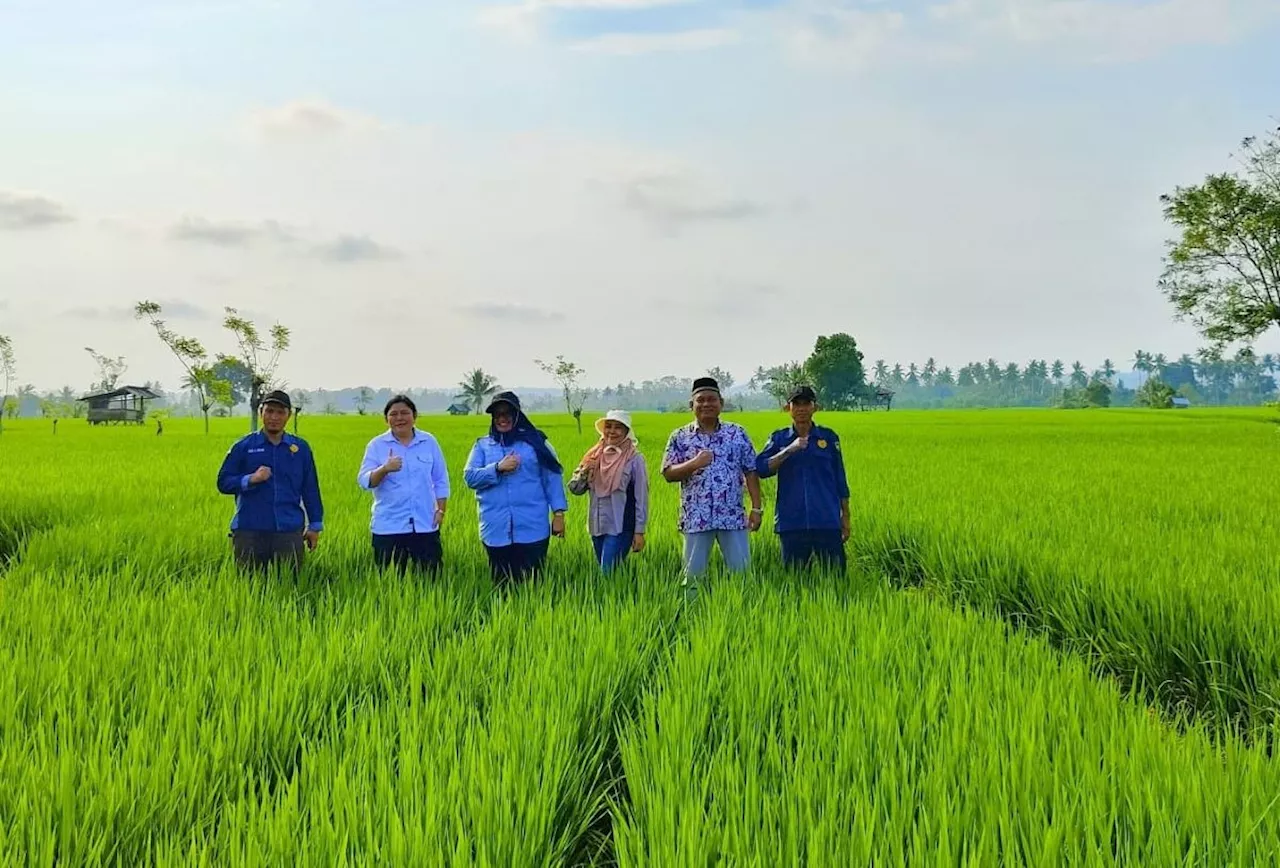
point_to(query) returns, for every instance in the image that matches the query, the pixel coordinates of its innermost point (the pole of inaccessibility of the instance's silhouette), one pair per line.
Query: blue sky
(456, 183)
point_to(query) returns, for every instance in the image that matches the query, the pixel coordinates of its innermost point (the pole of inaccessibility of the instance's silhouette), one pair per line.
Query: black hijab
(523, 430)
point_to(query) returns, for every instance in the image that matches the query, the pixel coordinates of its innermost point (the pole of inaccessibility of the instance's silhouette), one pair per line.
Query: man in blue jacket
(811, 517)
(272, 475)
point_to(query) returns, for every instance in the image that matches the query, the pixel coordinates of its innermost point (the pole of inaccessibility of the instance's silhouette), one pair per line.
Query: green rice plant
(790, 729)
(158, 706)
(495, 749)
(130, 712)
(1136, 538)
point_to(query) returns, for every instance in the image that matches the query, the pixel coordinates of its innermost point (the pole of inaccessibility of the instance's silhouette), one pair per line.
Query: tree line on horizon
(1244, 379)
(1221, 273)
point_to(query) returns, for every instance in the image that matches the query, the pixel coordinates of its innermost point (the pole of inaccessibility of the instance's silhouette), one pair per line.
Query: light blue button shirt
(405, 501)
(514, 507)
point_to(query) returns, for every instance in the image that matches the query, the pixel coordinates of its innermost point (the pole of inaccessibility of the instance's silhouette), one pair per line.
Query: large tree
(257, 355)
(779, 381)
(109, 370)
(476, 387)
(237, 376)
(569, 375)
(721, 376)
(1222, 271)
(8, 370)
(836, 369)
(191, 354)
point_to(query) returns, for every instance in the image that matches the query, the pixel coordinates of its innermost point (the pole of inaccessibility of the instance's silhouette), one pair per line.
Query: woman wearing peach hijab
(613, 474)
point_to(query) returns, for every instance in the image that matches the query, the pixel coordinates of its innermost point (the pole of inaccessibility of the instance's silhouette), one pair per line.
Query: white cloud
(310, 119)
(525, 19)
(1121, 31)
(673, 201)
(649, 43)
(355, 248)
(200, 230)
(860, 35)
(853, 37)
(31, 211)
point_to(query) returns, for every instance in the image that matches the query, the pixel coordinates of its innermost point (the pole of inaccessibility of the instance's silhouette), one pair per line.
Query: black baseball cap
(803, 394)
(705, 384)
(508, 398)
(277, 396)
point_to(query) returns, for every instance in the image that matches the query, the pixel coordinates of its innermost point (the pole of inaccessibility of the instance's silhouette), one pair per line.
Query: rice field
(1057, 644)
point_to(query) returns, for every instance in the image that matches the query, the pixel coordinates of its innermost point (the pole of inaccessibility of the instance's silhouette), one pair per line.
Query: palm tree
(913, 375)
(930, 371)
(476, 387)
(1108, 370)
(881, 371)
(897, 376)
(1057, 370)
(1078, 376)
(363, 397)
(1158, 364)
(1141, 363)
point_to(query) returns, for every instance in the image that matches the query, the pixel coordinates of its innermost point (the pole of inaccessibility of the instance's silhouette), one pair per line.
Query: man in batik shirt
(712, 460)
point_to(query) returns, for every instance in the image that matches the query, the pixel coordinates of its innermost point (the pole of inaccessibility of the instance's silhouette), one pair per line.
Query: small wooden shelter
(126, 405)
(1180, 403)
(459, 410)
(881, 397)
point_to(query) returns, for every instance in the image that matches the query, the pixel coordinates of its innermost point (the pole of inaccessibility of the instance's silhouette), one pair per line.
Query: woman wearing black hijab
(519, 486)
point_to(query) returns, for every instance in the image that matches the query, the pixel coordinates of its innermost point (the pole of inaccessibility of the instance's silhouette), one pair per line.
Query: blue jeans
(735, 546)
(611, 549)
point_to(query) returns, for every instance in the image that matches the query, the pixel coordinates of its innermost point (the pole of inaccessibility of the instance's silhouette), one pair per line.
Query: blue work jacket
(514, 507)
(288, 502)
(811, 484)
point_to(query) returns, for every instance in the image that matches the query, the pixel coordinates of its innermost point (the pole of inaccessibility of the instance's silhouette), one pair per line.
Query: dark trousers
(399, 550)
(799, 547)
(517, 562)
(259, 550)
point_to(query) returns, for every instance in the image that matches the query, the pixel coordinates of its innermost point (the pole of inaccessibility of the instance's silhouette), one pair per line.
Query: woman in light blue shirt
(518, 481)
(405, 470)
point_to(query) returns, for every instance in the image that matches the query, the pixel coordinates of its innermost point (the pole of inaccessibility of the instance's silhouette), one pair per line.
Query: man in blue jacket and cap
(811, 517)
(272, 475)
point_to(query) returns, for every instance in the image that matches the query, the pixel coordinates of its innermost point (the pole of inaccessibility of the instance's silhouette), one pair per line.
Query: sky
(647, 187)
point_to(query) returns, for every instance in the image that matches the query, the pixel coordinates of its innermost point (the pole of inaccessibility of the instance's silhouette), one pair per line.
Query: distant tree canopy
(237, 376)
(835, 371)
(1155, 393)
(1222, 272)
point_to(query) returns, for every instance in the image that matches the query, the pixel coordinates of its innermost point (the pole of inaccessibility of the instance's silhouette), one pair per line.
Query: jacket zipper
(275, 489)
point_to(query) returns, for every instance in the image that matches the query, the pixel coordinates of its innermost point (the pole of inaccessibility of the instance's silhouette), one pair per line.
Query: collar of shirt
(815, 431)
(260, 439)
(418, 437)
(722, 427)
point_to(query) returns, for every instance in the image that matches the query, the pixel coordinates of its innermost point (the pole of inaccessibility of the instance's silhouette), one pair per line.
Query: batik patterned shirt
(711, 499)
